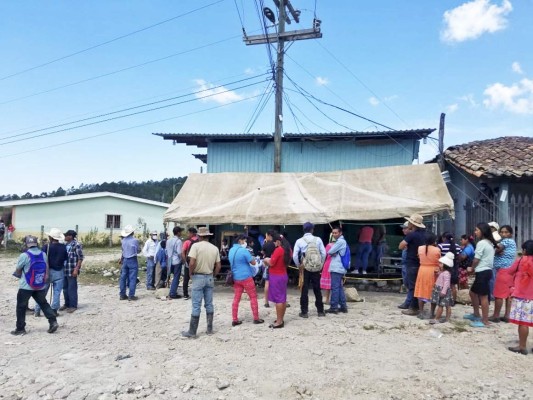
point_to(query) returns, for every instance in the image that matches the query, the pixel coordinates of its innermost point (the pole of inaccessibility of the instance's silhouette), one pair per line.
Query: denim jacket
(337, 250)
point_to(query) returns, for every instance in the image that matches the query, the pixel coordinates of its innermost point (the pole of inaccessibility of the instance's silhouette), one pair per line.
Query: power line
(111, 41)
(126, 129)
(267, 93)
(132, 108)
(122, 70)
(124, 116)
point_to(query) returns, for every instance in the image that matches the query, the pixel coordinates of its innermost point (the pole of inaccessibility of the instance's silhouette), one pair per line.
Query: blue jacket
(336, 252)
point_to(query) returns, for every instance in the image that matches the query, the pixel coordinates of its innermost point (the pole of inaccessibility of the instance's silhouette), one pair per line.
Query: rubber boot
(193, 327)
(210, 323)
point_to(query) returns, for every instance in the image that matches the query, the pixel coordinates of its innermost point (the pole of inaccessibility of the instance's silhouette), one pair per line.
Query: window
(112, 221)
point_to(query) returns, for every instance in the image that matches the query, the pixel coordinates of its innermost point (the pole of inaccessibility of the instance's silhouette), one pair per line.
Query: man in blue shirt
(130, 265)
(337, 272)
(174, 247)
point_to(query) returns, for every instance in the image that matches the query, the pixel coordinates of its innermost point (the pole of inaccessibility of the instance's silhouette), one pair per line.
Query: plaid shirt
(75, 254)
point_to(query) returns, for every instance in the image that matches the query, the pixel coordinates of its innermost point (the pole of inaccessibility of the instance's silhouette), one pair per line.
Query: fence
(521, 217)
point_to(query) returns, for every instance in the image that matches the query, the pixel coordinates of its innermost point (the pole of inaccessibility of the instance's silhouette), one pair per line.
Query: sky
(182, 67)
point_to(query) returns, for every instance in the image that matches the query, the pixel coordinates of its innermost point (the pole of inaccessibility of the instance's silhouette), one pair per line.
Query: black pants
(412, 274)
(311, 279)
(186, 278)
(22, 303)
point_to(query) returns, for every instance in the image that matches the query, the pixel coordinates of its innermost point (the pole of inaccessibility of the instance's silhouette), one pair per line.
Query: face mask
(243, 245)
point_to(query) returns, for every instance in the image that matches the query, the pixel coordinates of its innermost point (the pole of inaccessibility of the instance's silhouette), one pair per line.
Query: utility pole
(281, 37)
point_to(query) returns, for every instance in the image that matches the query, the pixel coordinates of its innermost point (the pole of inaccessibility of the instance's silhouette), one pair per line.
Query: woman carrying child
(442, 292)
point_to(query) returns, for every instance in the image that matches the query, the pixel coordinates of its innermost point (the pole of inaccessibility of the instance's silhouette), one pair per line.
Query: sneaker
(303, 315)
(53, 327)
(18, 332)
(356, 272)
(404, 306)
(133, 298)
(122, 297)
(343, 310)
(150, 288)
(364, 272)
(186, 297)
(331, 311)
(71, 310)
(175, 296)
(411, 312)
(322, 314)
(63, 308)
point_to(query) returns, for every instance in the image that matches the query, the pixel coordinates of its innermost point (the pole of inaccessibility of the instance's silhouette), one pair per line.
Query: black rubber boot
(210, 323)
(193, 327)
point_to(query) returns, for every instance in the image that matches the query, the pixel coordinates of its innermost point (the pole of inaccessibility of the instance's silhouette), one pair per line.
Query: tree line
(151, 190)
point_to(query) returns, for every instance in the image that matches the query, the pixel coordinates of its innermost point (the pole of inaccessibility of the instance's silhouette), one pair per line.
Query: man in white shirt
(149, 251)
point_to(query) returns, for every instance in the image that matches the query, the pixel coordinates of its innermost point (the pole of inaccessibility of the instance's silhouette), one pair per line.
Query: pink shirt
(522, 270)
(365, 236)
(443, 281)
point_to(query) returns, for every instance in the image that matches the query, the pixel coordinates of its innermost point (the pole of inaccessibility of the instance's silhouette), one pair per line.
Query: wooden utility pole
(281, 37)
(440, 157)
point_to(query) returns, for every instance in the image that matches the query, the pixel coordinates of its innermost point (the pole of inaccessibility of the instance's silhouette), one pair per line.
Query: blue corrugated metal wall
(309, 156)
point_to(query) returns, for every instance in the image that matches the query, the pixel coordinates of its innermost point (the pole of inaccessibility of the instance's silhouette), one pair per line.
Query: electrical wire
(265, 97)
(133, 108)
(110, 41)
(127, 115)
(126, 129)
(122, 70)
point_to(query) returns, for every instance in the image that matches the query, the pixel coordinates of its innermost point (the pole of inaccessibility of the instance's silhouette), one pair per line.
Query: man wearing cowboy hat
(56, 252)
(149, 251)
(72, 270)
(130, 265)
(204, 265)
(411, 242)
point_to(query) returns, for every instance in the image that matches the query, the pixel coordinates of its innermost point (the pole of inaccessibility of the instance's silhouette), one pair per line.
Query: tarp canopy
(320, 197)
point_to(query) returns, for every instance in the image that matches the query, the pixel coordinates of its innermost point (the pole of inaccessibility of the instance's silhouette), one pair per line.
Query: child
(442, 292)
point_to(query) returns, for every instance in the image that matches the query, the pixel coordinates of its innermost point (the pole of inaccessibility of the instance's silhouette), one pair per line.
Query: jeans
(150, 269)
(311, 279)
(176, 270)
(22, 303)
(186, 278)
(409, 295)
(338, 298)
(412, 273)
(129, 271)
(56, 281)
(70, 291)
(362, 255)
(202, 288)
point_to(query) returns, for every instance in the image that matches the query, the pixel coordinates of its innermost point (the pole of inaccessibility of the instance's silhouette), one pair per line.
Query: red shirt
(522, 270)
(277, 264)
(366, 234)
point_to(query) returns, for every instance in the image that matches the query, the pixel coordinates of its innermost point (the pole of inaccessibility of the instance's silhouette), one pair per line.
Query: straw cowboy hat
(203, 231)
(56, 234)
(128, 230)
(447, 259)
(416, 220)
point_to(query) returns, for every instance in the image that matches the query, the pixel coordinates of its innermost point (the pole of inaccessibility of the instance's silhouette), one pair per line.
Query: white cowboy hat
(56, 234)
(416, 220)
(447, 259)
(203, 231)
(494, 225)
(128, 230)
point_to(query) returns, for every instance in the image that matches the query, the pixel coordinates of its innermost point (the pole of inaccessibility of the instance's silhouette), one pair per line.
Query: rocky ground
(111, 349)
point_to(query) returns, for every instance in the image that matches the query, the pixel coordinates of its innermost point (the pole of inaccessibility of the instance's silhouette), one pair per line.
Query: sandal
(432, 321)
(274, 326)
(235, 323)
(495, 319)
(504, 319)
(258, 321)
(518, 350)
(477, 324)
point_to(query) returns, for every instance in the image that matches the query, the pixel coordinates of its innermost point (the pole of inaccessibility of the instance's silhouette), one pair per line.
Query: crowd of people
(433, 270)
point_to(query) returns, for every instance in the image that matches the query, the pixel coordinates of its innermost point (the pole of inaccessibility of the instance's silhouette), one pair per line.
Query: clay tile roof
(510, 156)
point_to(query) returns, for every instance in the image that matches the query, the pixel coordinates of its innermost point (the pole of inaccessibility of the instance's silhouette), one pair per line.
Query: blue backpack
(35, 277)
(346, 258)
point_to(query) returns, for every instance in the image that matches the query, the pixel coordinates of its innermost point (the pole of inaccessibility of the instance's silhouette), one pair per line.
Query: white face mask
(243, 245)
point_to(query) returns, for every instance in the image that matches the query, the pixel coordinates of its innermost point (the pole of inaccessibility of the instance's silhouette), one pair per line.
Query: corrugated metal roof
(201, 139)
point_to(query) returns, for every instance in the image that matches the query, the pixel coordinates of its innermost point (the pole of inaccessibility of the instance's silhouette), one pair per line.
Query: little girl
(442, 292)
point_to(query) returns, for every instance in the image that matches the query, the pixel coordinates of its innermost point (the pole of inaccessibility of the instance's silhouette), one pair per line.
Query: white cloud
(469, 98)
(452, 108)
(320, 81)
(517, 98)
(391, 98)
(474, 18)
(249, 71)
(218, 94)
(517, 68)
(373, 101)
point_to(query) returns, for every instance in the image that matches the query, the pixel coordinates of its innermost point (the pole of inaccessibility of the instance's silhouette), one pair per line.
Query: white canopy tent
(320, 197)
